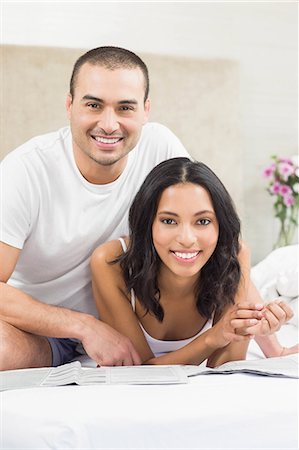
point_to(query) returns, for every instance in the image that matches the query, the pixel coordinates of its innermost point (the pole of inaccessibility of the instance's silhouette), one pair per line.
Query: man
(65, 193)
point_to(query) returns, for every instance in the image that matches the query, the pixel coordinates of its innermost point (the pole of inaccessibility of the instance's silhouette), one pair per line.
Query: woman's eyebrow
(204, 211)
(168, 212)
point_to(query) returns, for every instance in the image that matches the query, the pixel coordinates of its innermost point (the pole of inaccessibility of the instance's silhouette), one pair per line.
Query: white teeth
(186, 255)
(106, 141)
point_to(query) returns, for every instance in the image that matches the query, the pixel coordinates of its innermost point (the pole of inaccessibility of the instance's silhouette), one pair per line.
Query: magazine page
(284, 366)
(74, 373)
(43, 376)
(146, 375)
(14, 379)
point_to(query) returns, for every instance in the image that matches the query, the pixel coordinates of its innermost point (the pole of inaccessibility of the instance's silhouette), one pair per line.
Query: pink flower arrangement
(283, 176)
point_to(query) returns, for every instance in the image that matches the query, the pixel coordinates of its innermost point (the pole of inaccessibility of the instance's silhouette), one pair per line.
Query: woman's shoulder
(106, 272)
(107, 252)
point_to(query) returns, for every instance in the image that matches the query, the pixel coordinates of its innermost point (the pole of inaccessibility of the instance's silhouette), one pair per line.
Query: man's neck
(96, 173)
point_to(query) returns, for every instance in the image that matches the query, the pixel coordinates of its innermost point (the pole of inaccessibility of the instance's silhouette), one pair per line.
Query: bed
(238, 411)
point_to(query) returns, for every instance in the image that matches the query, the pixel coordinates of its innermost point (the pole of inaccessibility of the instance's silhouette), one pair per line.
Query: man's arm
(101, 342)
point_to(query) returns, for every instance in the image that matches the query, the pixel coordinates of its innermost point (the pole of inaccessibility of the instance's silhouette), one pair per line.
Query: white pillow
(280, 270)
(287, 282)
(276, 277)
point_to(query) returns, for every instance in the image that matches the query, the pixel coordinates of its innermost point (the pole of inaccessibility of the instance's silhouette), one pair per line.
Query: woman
(176, 287)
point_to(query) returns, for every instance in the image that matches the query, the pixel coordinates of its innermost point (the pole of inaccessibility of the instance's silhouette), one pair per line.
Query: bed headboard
(198, 99)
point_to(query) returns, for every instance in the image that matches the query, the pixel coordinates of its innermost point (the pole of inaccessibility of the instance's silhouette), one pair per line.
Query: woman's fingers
(277, 311)
(281, 310)
(269, 318)
(249, 314)
(273, 320)
(239, 324)
(250, 306)
(245, 320)
(276, 314)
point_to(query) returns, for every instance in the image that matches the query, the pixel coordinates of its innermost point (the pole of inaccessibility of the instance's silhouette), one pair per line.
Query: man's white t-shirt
(58, 218)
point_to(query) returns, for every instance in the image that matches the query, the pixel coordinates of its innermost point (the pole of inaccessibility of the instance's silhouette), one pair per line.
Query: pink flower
(285, 169)
(267, 172)
(275, 188)
(288, 200)
(285, 190)
(285, 160)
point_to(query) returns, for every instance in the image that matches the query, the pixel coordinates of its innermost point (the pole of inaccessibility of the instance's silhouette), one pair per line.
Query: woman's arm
(114, 307)
(237, 351)
(112, 300)
(271, 347)
(272, 317)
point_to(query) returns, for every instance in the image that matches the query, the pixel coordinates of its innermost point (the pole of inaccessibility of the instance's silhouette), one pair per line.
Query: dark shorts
(64, 350)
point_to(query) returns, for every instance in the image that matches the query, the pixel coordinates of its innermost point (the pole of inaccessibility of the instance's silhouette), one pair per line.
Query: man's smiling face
(106, 113)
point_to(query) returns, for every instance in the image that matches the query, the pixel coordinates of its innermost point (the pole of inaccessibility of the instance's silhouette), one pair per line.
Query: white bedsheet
(238, 411)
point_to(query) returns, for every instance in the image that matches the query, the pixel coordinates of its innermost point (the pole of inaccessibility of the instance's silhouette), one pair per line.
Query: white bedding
(238, 411)
(214, 411)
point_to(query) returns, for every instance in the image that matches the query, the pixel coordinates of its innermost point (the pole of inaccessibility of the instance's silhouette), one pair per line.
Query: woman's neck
(175, 285)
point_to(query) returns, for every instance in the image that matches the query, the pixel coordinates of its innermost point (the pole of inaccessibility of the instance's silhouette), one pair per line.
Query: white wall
(261, 36)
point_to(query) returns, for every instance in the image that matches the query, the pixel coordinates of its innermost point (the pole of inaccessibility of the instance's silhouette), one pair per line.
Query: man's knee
(7, 344)
(22, 350)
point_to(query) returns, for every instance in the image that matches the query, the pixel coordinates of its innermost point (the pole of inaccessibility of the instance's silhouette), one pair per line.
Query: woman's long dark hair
(219, 277)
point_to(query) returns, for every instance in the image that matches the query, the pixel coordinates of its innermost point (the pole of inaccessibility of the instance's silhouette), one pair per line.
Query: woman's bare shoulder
(107, 275)
(107, 252)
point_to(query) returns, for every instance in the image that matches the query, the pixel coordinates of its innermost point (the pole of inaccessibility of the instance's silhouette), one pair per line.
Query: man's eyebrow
(99, 100)
(91, 97)
(130, 101)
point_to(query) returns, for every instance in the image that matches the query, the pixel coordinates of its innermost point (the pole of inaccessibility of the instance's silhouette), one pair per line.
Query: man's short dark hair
(111, 58)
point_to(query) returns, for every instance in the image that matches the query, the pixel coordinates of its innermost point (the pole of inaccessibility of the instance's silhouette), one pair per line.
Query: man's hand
(107, 347)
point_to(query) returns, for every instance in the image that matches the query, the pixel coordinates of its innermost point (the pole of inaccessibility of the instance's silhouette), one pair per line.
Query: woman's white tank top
(160, 347)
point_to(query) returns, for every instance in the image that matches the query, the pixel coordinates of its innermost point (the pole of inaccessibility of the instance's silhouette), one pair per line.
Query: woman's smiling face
(185, 229)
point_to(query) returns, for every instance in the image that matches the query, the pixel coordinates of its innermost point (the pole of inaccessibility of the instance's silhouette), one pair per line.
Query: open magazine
(74, 373)
(284, 366)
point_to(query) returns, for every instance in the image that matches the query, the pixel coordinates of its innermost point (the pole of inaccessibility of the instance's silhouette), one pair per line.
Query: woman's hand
(238, 323)
(275, 314)
(243, 321)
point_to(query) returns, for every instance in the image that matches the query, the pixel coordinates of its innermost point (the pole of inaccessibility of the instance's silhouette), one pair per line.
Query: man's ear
(147, 107)
(68, 104)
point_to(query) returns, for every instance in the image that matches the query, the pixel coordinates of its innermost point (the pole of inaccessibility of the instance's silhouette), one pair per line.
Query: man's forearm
(101, 342)
(25, 313)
